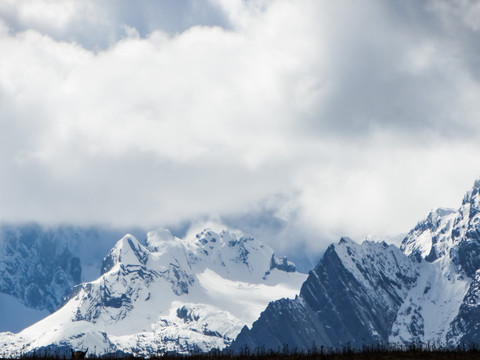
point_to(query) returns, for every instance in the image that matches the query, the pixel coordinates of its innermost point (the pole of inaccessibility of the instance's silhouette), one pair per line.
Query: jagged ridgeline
(208, 291)
(165, 294)
(427, 292)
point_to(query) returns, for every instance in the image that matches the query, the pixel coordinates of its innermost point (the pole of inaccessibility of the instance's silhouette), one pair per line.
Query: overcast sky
(305, 120)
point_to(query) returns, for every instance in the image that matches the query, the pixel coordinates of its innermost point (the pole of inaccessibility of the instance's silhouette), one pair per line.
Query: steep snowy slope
(169, 294)
(40, 264)
(444, 308)
(373, 293)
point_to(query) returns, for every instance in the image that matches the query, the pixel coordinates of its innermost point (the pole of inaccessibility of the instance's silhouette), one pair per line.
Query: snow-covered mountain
(168, 294)
(40, 264)
(428, 291)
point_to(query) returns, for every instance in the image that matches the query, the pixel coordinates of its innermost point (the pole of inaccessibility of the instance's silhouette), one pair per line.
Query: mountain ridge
(168, 294)
(432, 299)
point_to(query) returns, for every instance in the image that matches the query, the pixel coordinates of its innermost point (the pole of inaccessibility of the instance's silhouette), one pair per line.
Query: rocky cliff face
(376, 294)
(351, 297)
(35, 267)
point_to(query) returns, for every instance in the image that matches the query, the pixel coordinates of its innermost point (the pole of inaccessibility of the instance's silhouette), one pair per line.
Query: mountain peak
(345, 240)
(472, 196)
(282, 263)
(127, 250)
(223, 237)
(476, 183)
(430, 236)
(330, 309)
(160, 239)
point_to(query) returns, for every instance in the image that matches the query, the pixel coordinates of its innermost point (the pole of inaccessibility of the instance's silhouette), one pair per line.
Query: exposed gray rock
(35, 267)
(351, 297)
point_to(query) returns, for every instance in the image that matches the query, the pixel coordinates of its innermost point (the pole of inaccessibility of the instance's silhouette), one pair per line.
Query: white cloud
(43, 14)
(361, 117)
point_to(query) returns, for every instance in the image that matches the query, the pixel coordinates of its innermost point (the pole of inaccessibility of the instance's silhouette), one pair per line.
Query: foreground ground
(365, 355)
(344, 355)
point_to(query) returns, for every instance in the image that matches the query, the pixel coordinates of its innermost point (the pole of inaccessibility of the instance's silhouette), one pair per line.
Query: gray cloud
(394, 65)
(96, 25)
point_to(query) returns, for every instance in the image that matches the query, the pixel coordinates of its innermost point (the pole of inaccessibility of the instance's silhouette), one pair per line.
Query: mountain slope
(373, 293)
(39, 265)
(168, 294)
(352, 296)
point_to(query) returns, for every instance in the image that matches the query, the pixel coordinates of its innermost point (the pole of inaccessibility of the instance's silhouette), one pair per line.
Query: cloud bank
(320, 118)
